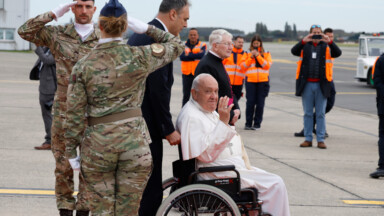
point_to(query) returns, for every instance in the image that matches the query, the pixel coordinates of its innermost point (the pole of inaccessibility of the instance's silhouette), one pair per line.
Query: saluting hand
(224, 110)
(62, 9)
(137, 26)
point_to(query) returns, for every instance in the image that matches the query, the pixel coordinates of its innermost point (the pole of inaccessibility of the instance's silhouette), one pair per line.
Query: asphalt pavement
(334, 181)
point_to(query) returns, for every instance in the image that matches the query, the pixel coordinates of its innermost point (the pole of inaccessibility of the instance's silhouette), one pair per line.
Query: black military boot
(66, 212)
(82, 213)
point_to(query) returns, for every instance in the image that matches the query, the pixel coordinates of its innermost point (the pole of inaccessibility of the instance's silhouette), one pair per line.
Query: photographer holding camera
(256, 64)
(313, 80)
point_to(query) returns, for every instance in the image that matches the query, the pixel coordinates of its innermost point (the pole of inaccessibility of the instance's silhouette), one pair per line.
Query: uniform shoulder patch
(158, 50)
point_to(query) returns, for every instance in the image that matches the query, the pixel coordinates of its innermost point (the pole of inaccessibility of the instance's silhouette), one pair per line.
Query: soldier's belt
(114, 117)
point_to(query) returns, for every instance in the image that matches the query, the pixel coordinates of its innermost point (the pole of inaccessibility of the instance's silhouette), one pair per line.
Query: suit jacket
(157, 96)
(213, 65)
(47, 72)
(378, 80)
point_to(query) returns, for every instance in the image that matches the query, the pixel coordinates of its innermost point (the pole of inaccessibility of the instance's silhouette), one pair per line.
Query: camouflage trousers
(116, 163)
(64, 186)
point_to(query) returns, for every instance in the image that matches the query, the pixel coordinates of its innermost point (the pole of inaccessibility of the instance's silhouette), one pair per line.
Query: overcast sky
(350, 15)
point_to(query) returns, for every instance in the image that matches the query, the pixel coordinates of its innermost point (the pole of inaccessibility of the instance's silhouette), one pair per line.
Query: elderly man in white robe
(206, 136)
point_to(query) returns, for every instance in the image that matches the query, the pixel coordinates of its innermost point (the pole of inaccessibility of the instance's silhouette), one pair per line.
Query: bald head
(205, 91)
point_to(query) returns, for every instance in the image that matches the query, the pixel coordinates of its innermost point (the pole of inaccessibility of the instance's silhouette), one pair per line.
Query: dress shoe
(299, 134)
(82, 213)
(378, 173)
(44, 146)
(66, 212)
(306, 144)
(321, 145)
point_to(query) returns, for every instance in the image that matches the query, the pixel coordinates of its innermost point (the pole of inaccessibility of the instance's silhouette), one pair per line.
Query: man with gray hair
(172, 17)
(207, 137)
(221, 45)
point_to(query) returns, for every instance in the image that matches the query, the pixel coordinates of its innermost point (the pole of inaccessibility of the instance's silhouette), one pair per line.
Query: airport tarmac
(320, 182)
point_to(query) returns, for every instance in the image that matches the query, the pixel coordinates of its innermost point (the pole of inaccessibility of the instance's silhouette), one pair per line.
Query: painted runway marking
(338, 93)
(364, 202)
(284, 61)
(22, 192)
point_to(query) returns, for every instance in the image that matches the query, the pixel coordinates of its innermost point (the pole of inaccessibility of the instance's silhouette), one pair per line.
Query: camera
(317, 37)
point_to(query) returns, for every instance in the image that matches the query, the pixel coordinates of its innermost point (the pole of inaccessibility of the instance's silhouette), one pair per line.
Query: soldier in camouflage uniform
(108, 86)
(68, 44)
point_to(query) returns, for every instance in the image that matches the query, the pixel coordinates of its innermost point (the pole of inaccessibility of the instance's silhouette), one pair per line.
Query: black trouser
(153, 193)
(187, 85)
(237, 89)
(256, 94)
(46, 102)
(381, 141)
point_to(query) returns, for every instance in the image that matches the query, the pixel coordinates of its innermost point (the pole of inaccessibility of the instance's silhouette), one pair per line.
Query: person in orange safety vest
(330, 99)
(314, 77)
(194, 51)
(232, 65)
(256, 64)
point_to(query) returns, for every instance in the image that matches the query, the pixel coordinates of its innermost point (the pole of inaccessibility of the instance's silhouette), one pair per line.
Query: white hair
(197, 81)
(217, 36)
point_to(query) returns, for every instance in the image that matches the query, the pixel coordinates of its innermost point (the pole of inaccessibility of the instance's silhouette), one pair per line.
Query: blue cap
(113, 9)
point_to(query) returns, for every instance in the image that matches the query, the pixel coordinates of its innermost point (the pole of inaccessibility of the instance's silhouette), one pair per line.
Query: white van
(370, 47)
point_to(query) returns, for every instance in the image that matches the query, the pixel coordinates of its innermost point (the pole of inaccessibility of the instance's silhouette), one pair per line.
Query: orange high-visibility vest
(257, 72)
(328, 65)
(374, 65)
(232, 65)
(188, 67)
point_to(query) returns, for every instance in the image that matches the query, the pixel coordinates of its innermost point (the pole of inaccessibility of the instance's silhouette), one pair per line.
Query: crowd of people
(111, 101)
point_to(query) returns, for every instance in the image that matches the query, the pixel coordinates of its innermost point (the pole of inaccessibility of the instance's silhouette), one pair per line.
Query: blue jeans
(312, 97)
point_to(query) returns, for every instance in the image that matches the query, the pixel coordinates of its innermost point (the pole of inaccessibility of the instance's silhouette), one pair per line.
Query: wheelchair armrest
(170, 182)
(251, 191)
(216, 169)
(213, 169)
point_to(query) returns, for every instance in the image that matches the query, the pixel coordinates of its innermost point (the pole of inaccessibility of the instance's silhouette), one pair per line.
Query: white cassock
(213, 143)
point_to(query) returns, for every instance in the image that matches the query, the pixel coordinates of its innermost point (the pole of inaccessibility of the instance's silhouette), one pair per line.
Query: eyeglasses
(315, 26)
(227, 44)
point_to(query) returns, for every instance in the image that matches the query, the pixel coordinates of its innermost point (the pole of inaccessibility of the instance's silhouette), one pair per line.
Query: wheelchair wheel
(198, 199)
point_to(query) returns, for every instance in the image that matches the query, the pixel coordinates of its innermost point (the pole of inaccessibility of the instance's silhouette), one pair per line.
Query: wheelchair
(189, 196)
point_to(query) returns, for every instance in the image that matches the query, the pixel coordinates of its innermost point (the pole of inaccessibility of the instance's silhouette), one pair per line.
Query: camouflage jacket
(63, 41)
(111, 79)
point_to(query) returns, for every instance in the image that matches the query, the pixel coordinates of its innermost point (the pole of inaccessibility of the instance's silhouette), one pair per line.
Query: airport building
(13, 13)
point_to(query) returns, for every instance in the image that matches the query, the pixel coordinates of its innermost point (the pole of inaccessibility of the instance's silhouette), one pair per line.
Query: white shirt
(106, 40)
(165, 27)
(84, 30)
(213, 53)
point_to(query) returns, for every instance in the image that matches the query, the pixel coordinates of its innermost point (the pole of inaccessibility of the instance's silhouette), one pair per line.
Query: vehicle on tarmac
(370, 47)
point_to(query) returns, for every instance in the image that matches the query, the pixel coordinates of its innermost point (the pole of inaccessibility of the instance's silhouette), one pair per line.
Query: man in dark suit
(221, 47)
(45, 71)
(172, 17)
(378, 80)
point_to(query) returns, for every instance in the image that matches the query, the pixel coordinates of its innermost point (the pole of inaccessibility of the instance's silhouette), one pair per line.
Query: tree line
(290, 33)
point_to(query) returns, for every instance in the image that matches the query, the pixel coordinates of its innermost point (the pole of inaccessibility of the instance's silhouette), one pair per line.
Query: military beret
(113, 9)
